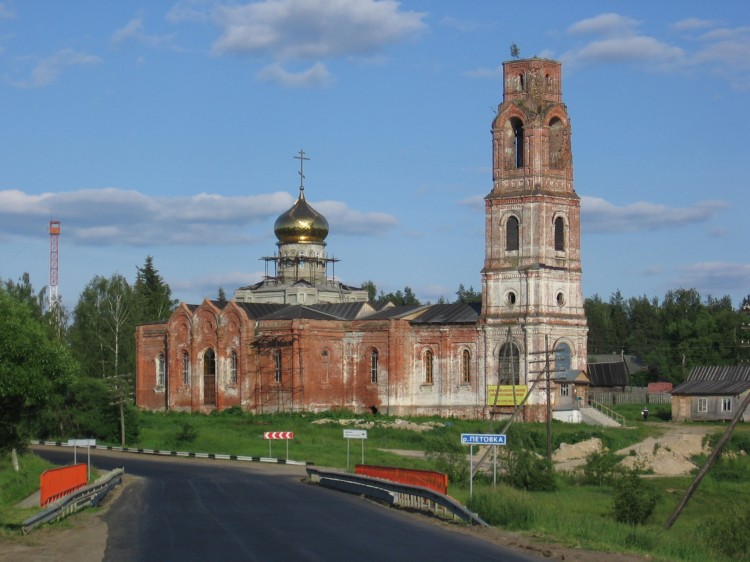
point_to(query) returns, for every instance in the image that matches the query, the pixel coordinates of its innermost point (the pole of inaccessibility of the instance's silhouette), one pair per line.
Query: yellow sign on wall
(503, 395)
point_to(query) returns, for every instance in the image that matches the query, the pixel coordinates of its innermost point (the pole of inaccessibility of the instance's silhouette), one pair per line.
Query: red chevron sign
(278, 435)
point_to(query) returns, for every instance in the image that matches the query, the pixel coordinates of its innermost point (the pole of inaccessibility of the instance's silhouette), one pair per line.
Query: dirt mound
(361, 423)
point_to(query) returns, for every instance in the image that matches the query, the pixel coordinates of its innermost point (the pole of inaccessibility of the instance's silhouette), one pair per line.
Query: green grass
(576, 515)
(16, 486)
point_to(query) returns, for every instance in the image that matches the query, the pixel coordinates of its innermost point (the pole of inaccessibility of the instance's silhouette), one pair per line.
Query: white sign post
(472, 439)
(360, 434)
(88, 443)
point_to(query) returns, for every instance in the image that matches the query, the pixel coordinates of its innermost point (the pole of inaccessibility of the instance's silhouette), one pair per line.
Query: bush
(188, 433)
(505, 507)
(449, 457)
(634, 499)
(727, 533)
(602, 468)
(527, 471)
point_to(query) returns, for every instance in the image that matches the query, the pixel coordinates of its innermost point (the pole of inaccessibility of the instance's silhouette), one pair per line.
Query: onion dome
(301, 224)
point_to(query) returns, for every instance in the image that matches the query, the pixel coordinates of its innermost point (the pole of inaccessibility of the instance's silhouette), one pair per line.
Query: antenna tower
(54, 235)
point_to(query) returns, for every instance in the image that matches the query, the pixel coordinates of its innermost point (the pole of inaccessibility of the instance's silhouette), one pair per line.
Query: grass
(15, 487)
(576, 515)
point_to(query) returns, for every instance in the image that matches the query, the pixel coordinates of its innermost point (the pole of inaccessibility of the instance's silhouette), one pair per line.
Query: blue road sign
(482, 439)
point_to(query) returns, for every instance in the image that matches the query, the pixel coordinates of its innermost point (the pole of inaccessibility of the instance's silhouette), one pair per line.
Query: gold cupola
(301, 224)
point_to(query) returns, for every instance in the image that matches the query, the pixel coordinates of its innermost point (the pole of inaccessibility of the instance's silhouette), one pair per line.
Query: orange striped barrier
(436, 481)
(56, 483)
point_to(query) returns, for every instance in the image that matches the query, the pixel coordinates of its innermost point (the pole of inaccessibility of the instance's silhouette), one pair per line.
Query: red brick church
(302, 340)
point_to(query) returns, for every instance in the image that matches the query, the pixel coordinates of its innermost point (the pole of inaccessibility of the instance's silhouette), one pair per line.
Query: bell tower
(531, 280)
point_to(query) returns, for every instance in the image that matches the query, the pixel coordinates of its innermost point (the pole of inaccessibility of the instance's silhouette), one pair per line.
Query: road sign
(82, 442)
(482, 439)
(355, 434)
(278, 435)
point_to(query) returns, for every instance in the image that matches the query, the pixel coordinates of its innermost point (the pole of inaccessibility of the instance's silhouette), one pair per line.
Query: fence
(631, 395)
(56, 483)
(426, 478)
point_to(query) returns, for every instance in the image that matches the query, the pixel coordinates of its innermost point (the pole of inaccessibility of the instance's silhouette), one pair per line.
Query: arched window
(427, 366)
(518, 141)
(324, 360)
(161, 370)
(465, 366)
(556, 144)
(277, 365)
(559, 234)
(209, 377)
(374, 366)
(562, 357)
(233, 367)
(511, 234)
(185, 368)
(510, 364)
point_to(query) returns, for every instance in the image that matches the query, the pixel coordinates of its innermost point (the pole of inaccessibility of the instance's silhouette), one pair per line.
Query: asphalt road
(185, 509)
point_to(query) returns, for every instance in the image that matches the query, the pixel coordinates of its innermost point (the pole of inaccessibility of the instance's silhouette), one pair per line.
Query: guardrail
(393, 493)
(88, 496)
(619, 418)
(216, 456)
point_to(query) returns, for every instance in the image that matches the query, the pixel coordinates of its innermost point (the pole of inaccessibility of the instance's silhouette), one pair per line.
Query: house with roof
(711, 394)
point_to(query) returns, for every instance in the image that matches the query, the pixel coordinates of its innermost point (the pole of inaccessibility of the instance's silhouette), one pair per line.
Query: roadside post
(350, 434)
(88, 443)
(472, 439)
(273, 435)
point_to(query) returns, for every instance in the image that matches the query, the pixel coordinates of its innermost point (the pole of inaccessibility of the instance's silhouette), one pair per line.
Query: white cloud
(625, 49)
(715, 278)
(313, 29)
(190, 10)
(605, 24)
(598, 215)
(48, 69)
(120, 217)
(315, 76)
(691, 24)
(134, 31)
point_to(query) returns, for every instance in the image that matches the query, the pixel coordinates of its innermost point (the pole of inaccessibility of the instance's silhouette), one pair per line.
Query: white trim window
(702, 405)
(726, 405)
(161, 370)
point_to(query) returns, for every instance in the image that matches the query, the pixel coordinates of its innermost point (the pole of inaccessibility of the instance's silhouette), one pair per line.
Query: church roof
(456, 313)
(256, 311)
(394, 312)
(608, 374)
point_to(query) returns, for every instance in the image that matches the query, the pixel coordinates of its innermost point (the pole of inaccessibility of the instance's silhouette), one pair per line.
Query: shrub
(634, 499)
(602, 468)
(726, 533)
(505, 507)
(449, 456)
(188, 433)
(527, 471)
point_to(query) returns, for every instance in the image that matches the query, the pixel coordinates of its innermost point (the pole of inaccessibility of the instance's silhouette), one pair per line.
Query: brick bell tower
(531, 280)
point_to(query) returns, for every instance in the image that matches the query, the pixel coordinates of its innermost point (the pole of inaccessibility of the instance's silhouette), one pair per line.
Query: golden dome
(301, 224)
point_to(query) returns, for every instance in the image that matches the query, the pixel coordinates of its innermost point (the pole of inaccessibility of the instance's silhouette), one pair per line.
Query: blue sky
(169, 129)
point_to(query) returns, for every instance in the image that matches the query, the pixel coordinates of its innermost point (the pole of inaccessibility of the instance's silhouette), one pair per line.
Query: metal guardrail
(619, 418)
(393, 493)
(88, 496)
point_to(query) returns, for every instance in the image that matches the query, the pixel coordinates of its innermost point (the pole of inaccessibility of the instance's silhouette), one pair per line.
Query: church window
(556, 144)
(374, 366)
(233, 367)
(562, 357)
(560, 298)
(559, 234)
(427, 361)
(521, 82)
(161, 370)
(510, 364)
(564, 389)
(511, 234)
(209, 377)
(465, 366)
(518, 141)
(511, 298)
(185, 368)
(277, 366)
(324, 360)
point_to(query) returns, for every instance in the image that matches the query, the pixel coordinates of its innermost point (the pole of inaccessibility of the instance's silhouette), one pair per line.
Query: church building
(300, 340)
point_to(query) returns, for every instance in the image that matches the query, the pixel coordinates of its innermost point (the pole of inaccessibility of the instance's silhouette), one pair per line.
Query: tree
(399, 298)
(634, 500)
(372, 290)
(32, 367)
(467, 295)
(515, 52)
(221, 296)
(152, 294)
